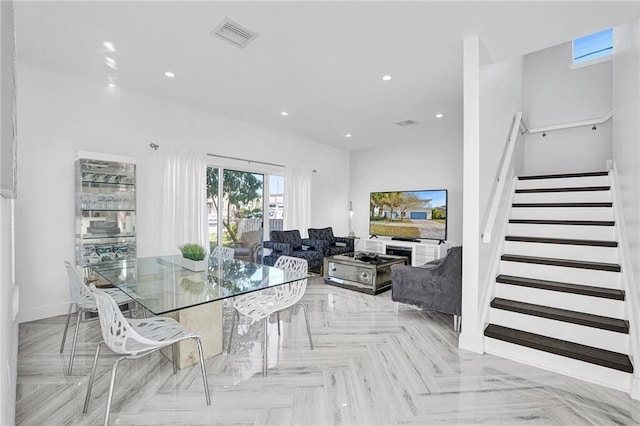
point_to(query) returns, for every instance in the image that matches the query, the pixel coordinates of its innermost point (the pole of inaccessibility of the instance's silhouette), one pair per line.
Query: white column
(471, 337)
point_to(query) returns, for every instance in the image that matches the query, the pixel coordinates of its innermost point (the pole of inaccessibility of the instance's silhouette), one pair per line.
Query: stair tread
(568, 205)
(602, 357)
(569, 241)
(574, 317)
(569, 263)
(586, 290)
(563, 175)
(564, 222)
(563, 189)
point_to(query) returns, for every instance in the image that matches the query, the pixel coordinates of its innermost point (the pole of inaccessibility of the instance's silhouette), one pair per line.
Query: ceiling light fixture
(348, 135)
(439, 115)
(109, 46)
(386, 77)
(111, 63)
(112, 85)
(284, 113)
(169, 74)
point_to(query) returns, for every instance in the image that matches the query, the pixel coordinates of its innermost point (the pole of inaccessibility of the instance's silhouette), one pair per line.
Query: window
(238, 199)
(594, 46)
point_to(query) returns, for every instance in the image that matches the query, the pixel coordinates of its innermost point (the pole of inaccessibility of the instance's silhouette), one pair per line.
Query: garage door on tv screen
(410, 215)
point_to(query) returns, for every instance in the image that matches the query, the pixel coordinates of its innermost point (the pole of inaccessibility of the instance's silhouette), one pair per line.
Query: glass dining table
(162, 286)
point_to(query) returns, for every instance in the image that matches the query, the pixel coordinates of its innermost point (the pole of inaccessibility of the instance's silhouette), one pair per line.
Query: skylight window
(594, 46)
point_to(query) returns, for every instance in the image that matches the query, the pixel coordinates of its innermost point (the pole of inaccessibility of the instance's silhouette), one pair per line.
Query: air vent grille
(405, 123)
(234, 33)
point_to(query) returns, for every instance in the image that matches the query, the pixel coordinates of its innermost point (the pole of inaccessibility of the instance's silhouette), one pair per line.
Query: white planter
(194, 265)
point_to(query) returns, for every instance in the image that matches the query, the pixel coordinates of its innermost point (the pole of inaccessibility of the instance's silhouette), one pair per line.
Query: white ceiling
(320, 61)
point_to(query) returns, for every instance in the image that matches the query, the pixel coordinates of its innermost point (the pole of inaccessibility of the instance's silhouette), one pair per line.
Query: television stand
(421, 252)
(413, 240)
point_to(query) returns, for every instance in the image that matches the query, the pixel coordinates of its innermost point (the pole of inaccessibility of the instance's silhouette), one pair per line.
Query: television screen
(409, 214)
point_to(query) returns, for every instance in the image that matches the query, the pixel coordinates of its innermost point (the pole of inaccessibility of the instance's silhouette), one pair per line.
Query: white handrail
(572, 124)
(502, 178)
(627, 279)
(488, 287)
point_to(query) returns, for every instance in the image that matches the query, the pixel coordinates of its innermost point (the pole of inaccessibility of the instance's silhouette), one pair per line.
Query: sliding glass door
(276, 202)
(235, 202)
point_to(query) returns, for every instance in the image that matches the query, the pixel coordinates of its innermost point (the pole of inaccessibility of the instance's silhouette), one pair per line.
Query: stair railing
(501, 182)
(627, 280)
(592, 122)
(498, 210)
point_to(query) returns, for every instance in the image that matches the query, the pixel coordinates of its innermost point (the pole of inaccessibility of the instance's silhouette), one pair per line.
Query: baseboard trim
(471, 341)
(634, 392)
(34, 314)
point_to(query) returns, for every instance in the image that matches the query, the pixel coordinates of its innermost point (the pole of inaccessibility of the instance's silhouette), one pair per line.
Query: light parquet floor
(369, 367)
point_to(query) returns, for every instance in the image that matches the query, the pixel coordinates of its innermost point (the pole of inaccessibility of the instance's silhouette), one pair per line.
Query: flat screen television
(410, 215)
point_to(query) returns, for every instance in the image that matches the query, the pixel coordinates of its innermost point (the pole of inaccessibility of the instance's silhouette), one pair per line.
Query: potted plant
(193, 257)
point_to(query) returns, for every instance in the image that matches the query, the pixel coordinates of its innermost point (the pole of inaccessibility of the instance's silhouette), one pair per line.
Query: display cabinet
(105, 211)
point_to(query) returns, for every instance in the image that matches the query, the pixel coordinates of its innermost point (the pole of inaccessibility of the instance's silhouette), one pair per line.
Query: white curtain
(297, 200)
(182, 205)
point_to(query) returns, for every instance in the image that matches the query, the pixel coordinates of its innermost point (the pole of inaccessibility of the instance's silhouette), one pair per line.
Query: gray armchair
(335, 245)
(435, 286)
(290, 243)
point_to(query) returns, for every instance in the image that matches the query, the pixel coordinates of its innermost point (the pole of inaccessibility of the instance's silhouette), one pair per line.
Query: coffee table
(360, 271)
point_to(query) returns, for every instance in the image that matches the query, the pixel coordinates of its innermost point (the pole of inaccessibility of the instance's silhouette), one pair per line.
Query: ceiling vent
(405, 123)
(234, 33)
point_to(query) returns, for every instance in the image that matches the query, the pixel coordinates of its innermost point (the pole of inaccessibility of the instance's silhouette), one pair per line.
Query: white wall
(60, 116)
(492, 96)
(555, 94)
(435, 163)
(626, 132)
(501, 97)
(8, 323)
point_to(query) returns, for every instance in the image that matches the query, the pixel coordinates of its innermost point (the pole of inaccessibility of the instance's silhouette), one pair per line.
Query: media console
(418, 253)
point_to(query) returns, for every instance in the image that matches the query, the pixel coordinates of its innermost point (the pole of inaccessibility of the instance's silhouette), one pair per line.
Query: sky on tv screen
(438, 198)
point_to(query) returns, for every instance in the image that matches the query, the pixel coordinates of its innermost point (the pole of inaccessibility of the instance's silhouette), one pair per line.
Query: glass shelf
(105, 211)
(103, 237)
(93, 182)
(108, 210)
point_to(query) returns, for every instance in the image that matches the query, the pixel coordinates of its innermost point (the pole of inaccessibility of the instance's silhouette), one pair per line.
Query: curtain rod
(156, 146)
(244, 159)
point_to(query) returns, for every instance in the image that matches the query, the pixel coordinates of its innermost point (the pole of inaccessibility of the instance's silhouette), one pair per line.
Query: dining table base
(204, 320)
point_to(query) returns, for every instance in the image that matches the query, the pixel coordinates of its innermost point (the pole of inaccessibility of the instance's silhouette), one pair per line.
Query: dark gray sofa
(435, 286)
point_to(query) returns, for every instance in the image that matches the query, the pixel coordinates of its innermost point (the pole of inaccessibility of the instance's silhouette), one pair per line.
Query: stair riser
(562, 213)
(581, 370)
(563, 251)
(563, 183)
(578, 232)
(596, 278)
(557, 299)
(597, 338)
(564, 197)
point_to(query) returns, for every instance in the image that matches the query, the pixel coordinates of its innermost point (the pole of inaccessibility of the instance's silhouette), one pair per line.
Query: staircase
(558, 301)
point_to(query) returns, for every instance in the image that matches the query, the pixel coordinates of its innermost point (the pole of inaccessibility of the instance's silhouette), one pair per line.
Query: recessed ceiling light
(169, 74)
(439, 115)
(109, 46)
(111, 63)
(112, 85)
(348, 135)
(284, 113)
(386, 77)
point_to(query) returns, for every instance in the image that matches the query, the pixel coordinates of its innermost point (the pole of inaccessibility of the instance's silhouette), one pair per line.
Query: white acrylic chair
(261, 304)
(83, 301)
(135, 338)
(223, 252)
